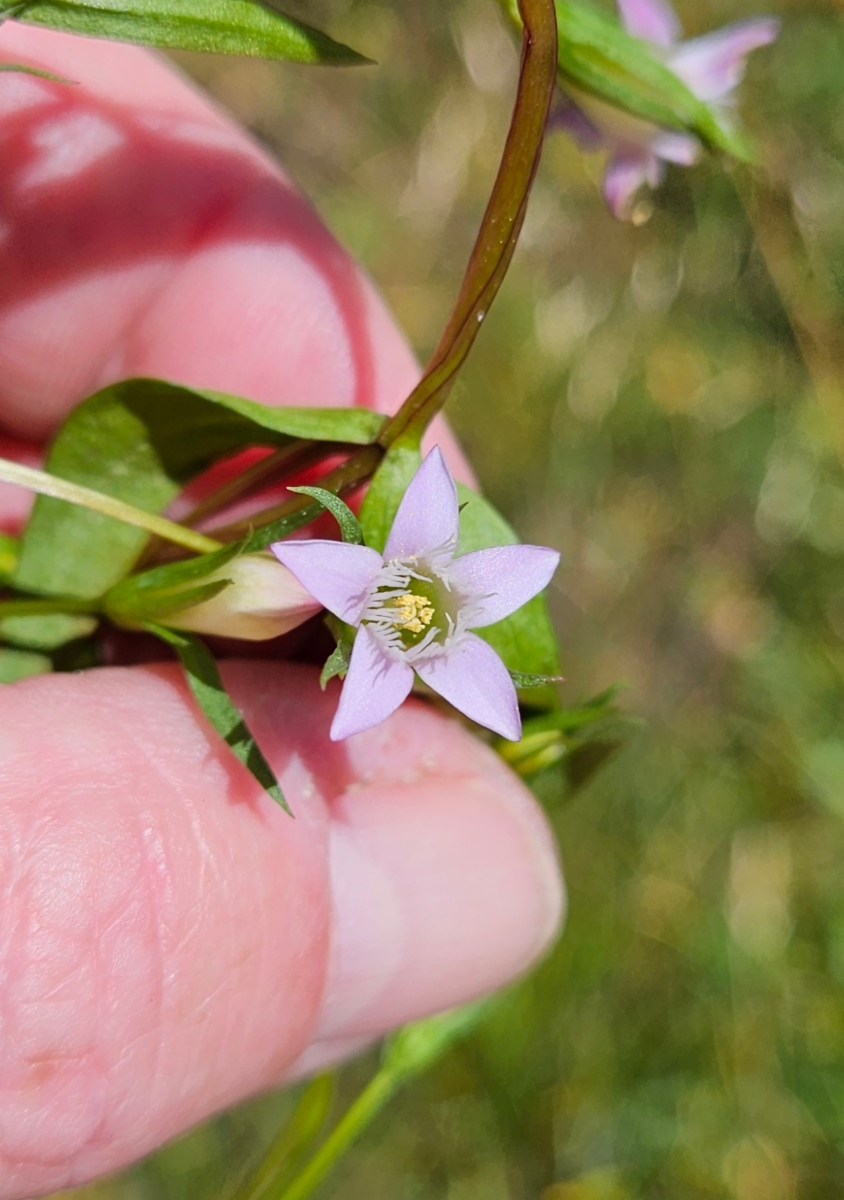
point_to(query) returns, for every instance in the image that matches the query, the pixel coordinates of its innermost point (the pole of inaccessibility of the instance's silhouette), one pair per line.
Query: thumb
(171, 941)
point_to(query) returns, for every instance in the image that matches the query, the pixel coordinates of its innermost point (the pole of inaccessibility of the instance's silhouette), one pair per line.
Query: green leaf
(337, 663)
(141, 441)
(209, 691)
(389, 484)
(45, 633)
(339, 509)
(214, 26)
(525, 640)
(20, 664)
(9, 548)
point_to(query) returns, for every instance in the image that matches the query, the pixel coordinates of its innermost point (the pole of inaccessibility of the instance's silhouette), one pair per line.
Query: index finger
(142, 234)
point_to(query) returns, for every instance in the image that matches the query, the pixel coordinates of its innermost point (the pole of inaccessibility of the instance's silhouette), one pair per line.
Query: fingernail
(441, 894)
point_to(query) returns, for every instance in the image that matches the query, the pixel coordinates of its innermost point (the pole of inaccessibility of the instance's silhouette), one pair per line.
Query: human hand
(169, 940)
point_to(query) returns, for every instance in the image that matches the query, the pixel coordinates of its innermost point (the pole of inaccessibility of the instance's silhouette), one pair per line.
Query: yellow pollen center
(413, 612)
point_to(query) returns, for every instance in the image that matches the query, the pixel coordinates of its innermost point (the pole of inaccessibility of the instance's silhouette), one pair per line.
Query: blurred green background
(665, 404)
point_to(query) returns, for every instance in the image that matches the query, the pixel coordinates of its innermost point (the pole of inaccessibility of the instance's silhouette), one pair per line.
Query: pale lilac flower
(711, 67)
(414, 605)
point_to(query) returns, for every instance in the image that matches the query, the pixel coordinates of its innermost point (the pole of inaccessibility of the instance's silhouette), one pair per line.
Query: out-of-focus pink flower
(711, 67)
(413, 608)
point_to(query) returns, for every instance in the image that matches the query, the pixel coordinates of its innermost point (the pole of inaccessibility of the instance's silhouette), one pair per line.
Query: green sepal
(214, 26)
(337, 664)
(350, 527)
(388, 486)
(168, 589)
(209, 691)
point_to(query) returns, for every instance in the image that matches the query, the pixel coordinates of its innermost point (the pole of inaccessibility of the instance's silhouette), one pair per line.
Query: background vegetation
(665, 403)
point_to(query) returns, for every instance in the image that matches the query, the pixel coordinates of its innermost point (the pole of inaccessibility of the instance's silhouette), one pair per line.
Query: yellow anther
(413, 612)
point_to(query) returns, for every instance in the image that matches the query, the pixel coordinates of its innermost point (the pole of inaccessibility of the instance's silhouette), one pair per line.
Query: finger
(171, 941)
(144, 234)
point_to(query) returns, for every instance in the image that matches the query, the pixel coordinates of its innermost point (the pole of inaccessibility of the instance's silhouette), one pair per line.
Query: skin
(170, 941)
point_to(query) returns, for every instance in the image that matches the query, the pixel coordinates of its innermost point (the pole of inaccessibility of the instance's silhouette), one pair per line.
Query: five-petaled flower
(710, 66)
(413, 608)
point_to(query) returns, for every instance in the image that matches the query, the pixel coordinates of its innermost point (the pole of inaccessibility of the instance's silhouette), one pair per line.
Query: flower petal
(711, 66)
(680, 148)
(428, 515)
(374, 688)
(626, 173)
(337, 574)
(502, 578)
(652, 20)
(471, 676)
(567, 115)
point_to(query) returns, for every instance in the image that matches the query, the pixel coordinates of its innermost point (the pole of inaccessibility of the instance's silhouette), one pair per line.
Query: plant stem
(274, 467)
(282, 519)
(291, 1142)
(356, 1118)
(107, 506)
(43, 607)
(501, 223)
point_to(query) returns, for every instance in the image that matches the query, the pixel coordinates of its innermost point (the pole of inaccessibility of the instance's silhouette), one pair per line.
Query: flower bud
(263, 600)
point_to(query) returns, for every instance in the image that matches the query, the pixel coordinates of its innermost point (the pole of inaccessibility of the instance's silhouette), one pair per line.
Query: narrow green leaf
(140, 441)
(337, 663)
(389, 484)
(525, 640)
(20, 664)
(343, 515)
(209, 691)
(213, 26)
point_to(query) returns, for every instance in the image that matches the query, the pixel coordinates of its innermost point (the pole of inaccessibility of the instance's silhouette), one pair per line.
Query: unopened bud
(262, 601)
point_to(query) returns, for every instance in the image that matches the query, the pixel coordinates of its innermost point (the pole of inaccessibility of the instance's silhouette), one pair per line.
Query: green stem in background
(45, 607)
(500, 227)
(107, 506)
(294, 1139)
(406, 1053)
(805, 289)
(347, 1130)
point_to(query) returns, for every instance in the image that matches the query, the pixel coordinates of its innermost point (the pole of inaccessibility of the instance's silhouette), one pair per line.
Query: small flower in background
(413, 608)
(263, 600)
(711, 67)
